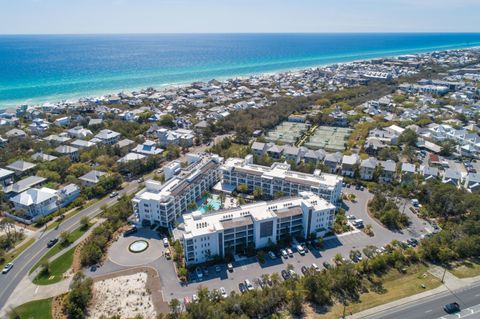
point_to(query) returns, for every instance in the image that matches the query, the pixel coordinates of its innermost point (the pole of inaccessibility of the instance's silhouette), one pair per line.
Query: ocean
(41, 68)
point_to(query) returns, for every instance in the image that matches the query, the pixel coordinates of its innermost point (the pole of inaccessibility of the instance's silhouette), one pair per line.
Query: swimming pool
(214, 202)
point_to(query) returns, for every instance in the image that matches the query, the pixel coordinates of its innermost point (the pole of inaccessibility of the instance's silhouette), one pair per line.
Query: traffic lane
(31, 255)
(432, 307)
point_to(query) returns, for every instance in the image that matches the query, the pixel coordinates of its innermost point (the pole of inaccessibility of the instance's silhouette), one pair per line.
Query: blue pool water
(40, 68)
(214, 201)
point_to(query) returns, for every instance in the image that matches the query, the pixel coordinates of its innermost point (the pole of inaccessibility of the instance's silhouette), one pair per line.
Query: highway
(25, 261)
(432, 307)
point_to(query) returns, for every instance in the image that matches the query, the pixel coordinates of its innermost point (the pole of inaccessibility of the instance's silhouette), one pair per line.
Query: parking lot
(249, 268)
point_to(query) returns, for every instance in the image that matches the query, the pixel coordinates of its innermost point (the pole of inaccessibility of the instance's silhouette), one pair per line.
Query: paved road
(432, 307)
(24, 262)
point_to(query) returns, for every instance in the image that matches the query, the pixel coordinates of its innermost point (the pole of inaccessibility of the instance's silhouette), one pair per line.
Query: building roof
(131, 157)
(92, 176)
(21, 166)
(4, 173)
(34, 196)
(66, 149)
(106, 134)
(43, 157)
(24, 184)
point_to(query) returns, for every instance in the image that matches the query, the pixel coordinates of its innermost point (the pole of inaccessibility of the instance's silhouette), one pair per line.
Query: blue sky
(170, 16)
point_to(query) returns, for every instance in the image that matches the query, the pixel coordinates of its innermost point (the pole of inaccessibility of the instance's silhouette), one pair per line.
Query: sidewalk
(63, 251)
(26, 291)
(450, 280)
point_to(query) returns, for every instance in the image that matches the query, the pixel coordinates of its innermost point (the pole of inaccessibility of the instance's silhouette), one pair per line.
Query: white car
(314, 266)
(223, 292)
(165, 242)
(351, 217)
(300, 250)
(249, 285)
(284, 253)
(7, 268)
(194, 298)
(289, 252)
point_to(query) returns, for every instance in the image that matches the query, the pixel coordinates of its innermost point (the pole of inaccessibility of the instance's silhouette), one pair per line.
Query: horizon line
(238, 33)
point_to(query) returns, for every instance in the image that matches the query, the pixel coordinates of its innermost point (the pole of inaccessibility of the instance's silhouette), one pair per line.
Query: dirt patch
(127, 294)
(57, 307)
(153, 285)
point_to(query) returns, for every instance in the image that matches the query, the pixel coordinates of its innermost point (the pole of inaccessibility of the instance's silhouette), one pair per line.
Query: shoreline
(162, 87)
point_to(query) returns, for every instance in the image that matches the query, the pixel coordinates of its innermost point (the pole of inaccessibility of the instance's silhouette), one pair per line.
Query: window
(266, 229)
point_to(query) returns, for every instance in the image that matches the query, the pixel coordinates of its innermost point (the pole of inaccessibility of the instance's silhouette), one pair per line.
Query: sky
(226, 16)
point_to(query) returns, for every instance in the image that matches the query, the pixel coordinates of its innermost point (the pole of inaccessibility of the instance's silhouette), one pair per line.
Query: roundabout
(138, 246)
(139, 249)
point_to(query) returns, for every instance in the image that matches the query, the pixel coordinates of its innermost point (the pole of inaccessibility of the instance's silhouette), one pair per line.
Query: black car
(452, 307)
(285, 274)
(52, 242)
(304, 270)
(326, 265)
(242, 287)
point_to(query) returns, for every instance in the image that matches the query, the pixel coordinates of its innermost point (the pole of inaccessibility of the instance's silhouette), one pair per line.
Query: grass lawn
(396, 286)
(13, 254)
(467, 269)
(73, 236)
(57, 268)
(38, 309)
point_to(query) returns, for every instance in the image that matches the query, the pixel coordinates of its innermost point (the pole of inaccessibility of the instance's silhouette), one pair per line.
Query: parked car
(194, 297)
(292, 273)
(304, 270)
(199, 273)
(7, 268)
(52, 242)
(327, 265)
(285, 274)
(168, 254)
(284, 253)
(186, 300)
(315, 267)
(242, 287)
(165, 242)
(131, 230)
(358, 223)
(272, 255)
(230, 267)
(301, 250)
(113, 194)
(249, 285)
(223, 292)
(289, 252)
(351, 217)
(452, 307)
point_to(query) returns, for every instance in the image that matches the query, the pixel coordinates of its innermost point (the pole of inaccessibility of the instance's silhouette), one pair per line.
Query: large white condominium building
(254, 225)
(163, 203)
(280, 179)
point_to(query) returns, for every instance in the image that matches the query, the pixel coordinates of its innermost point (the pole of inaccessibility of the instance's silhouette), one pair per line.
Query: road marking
(428, 311)
(36, 290)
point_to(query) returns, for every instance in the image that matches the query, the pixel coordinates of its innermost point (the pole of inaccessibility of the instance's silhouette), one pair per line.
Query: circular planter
(138, 246)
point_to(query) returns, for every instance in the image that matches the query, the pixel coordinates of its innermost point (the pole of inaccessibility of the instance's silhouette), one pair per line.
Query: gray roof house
(452, 176)
(349, 163)
(367, 168)
(472, 182)
(429, 172)
(21, 166)
(389, 169)
(91, 178)
(23, 185)
(69, 151)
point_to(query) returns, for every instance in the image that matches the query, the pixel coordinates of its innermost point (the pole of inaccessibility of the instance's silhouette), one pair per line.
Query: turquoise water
(36, 69)
(214, 201)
